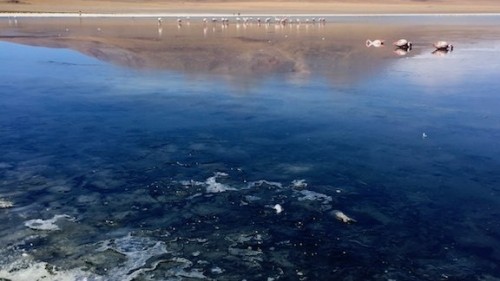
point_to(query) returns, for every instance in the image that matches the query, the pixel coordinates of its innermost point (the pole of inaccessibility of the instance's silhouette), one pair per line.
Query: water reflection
(297, 49)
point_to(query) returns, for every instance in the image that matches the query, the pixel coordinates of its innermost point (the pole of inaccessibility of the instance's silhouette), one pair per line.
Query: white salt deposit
(299, 184)
(191, 183)
(264, 182)
(215, 187)
(50, 224)
(183, 270)
(217, 270)
(278, 208)
(138, 250)
(314, 196)
(4, 204)
(339, 215)
(25, 269)
(194, 196)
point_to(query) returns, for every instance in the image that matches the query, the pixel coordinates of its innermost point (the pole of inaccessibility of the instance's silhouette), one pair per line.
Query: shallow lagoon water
(133, 154)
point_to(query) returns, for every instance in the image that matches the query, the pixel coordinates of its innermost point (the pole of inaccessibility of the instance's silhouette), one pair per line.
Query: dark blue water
(165, 175)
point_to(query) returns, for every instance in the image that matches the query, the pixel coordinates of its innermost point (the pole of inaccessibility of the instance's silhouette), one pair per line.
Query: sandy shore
(233, 7)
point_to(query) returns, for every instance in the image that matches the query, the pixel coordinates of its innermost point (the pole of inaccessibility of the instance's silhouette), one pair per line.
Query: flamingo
(443, 46)
(403, 44)
(375, 43)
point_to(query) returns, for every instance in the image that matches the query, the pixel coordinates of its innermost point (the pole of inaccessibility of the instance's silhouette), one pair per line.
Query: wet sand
(254, 7)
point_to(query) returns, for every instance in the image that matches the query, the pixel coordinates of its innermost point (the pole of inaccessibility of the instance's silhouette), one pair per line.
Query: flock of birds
(248, 20)
(403, 46)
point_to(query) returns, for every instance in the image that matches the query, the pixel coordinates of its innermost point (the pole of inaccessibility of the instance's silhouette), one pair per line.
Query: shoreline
(230, 15)
(249, 7)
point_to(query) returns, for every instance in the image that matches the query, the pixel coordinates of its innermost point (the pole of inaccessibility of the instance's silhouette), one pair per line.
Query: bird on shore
(375, 43)
(403, 44)
(443, 46)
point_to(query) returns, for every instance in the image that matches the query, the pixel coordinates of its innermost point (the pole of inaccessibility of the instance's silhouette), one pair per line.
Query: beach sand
(251, 7)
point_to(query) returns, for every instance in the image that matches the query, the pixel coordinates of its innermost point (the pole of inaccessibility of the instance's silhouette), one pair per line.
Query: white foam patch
(48, 225)
(4, 204)
(314, 196)
(215, 187)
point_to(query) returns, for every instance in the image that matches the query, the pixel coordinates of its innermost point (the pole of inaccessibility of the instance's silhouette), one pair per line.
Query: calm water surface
(133, 151)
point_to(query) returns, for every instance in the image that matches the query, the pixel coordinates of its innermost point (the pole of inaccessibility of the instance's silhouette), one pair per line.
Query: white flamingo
(443, 46)
(403, 44)
(375, 43)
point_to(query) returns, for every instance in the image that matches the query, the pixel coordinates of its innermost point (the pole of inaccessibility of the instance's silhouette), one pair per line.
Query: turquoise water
(160, 174)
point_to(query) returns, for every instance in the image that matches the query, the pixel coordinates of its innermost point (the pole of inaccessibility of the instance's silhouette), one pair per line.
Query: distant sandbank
(244, 7)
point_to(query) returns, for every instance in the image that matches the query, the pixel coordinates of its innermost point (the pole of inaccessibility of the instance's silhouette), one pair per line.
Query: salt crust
(212, 186)
(215, 187)
(142, 256)
(49, 225)
(339, 215)
(4, 204)
(299, 184)
(138, 251)
(25, 269)
(313, 196)
(264, 182)
(141, 253)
